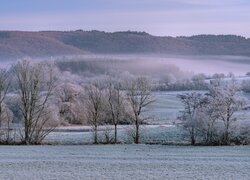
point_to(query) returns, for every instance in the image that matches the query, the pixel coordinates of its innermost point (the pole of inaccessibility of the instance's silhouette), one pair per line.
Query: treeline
(35, 98)
(166, 77)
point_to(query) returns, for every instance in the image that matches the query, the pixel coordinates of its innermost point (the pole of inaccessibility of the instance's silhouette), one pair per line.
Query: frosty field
(124, 162)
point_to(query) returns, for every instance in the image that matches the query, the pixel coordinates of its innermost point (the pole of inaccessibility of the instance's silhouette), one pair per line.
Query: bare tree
(5, 131)
(4, 87)
(190, 116)
(5, 113)
(115, 101)
(36, 83)
(139, 97)
(94, 107)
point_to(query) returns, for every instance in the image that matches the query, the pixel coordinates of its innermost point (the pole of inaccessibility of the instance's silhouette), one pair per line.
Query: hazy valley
(82, 88)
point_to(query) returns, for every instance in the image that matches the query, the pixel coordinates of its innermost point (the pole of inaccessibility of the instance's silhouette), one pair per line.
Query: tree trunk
(226, 133)
(95, 135)
(193, 141)
(226, 137)
(136, 132)
(26, 137)
(115, 133)
(193, 137)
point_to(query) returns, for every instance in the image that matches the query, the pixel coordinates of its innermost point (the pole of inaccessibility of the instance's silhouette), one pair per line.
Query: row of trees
(211, 118)
(37, 92)
(200, 81)
(112, 102)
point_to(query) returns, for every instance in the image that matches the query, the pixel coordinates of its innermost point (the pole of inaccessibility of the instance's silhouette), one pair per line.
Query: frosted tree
(94, 107)
(228, 99)
(191, 115)
(70, 104)
(4, 88)
(199, 81)
(208, 117)
(36, 83)
(115, 103)
(139, 97)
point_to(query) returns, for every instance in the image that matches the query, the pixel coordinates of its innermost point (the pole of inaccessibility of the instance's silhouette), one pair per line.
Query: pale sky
(157, 17)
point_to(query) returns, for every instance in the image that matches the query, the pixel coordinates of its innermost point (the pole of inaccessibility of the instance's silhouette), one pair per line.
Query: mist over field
(152, 64)
(155, 64)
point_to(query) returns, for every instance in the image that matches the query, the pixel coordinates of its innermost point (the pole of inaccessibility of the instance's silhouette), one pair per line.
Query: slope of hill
(18, 44)
(14, 45)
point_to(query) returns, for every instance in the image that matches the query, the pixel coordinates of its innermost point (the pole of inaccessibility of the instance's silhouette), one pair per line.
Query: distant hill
(19, 44)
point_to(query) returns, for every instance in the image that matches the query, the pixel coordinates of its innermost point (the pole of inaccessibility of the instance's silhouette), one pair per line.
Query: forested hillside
(19, 44)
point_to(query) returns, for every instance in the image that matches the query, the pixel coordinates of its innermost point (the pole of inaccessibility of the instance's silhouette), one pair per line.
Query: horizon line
(124, 31)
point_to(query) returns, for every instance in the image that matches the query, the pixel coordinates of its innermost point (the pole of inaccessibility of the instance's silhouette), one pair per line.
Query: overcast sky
(157, 17)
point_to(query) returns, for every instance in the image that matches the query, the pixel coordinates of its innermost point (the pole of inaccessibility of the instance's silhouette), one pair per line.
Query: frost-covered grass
(166, 107)
(150, 134)
(124, 162)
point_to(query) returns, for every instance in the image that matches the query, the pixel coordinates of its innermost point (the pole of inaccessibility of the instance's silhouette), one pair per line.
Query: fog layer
(208, 65)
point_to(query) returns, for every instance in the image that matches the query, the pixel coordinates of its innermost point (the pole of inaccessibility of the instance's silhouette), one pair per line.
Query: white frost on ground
(124, 162)
(151, 134)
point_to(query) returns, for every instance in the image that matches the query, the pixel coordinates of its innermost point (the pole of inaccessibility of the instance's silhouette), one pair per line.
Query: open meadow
(124, 162)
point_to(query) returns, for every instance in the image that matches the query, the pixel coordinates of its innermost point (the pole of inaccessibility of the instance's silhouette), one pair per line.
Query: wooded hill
(19, 44)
